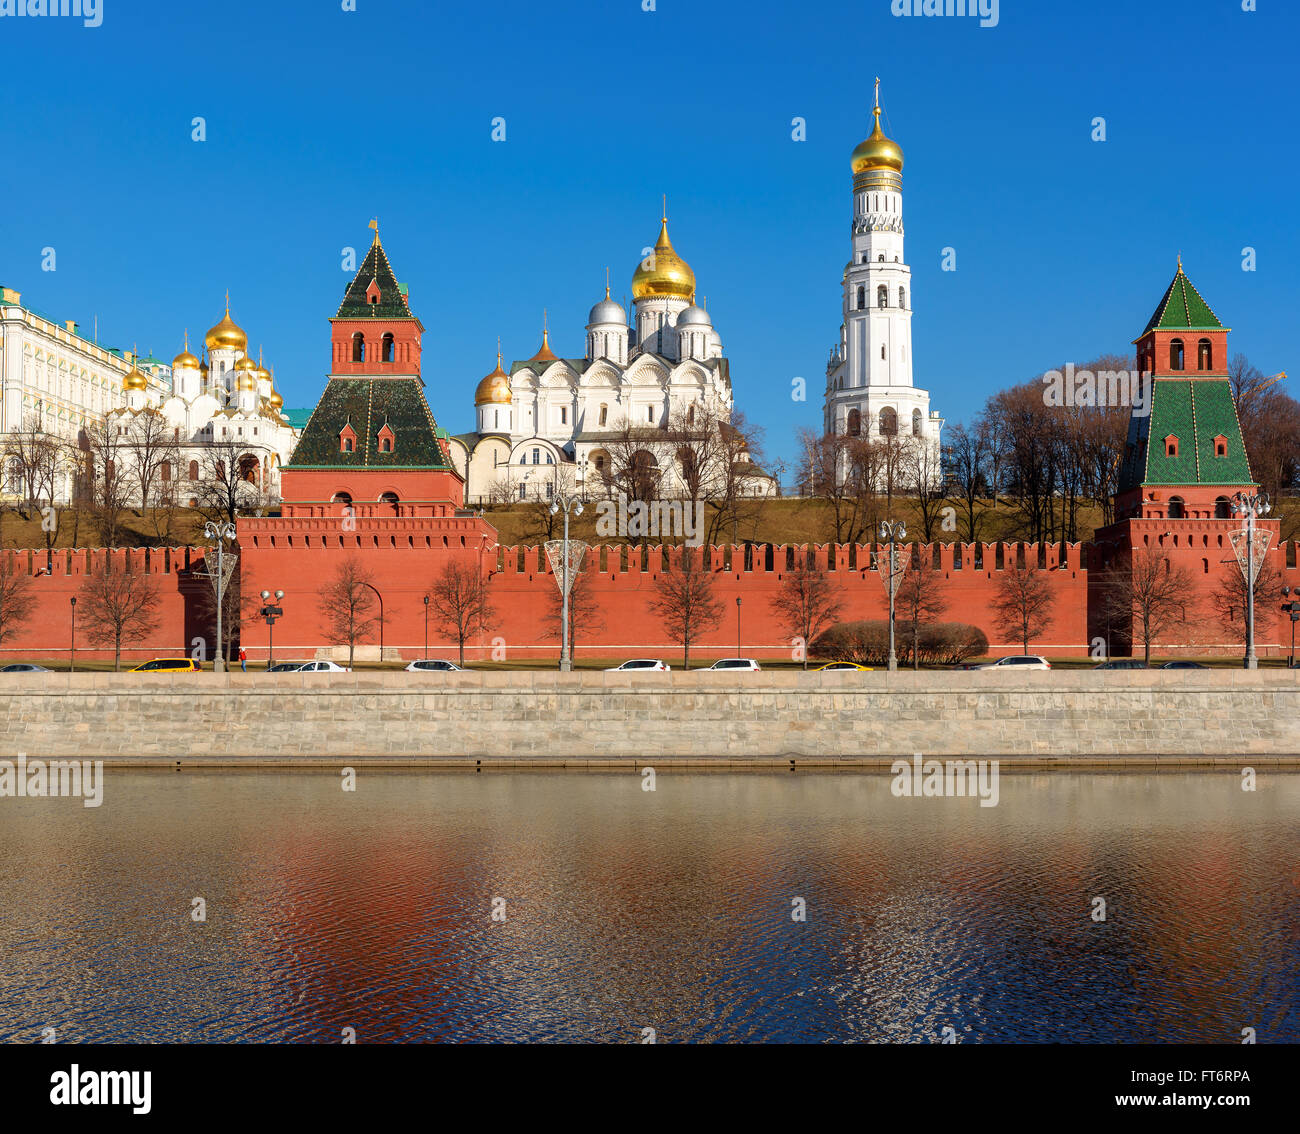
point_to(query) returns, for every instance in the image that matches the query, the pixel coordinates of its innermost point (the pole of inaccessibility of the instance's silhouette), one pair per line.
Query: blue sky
(318, 119)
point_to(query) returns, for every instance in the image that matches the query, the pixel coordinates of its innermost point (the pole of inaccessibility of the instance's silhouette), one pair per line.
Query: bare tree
(923, 478)
(685, 600)
(968, 452)
(461, 603)
(807, 601)
(1228, 600)
(347, 605)
(33, 460)
(842, 471)
(108, 487)
(1023, 602)
(920, 600)
(116, 604)
(15, 598)
(585, 615)
(1150, 596)
(228, 480)
(150, 448)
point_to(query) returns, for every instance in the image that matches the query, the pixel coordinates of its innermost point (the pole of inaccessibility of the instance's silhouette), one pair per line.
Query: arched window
(1171, 446)
(344, 498)
(855, 423)
(1222, 508)
(1176, 508)
(165, 470)
(388, 498)
(358, 347)
(888, 422)
(1175, 354)
(194, 470)
(882, 352)
(386, 348)
(882, 296)
(690, 415)
(902, 299)
(862, 298)
(604, 414)
(881, 258)
(347, 444)
(916, 423)
(1204, 355)
(385, 444)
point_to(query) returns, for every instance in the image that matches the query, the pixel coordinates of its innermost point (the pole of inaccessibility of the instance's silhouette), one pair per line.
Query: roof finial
(665, 216)
(1180, 259)
(374, 223)
(187, 340)
(498, 352)
(227, 302)
(607, 281)
(877, 94)
(545, 331)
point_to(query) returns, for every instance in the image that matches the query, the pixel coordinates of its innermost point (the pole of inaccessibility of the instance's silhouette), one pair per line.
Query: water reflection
(670, 909)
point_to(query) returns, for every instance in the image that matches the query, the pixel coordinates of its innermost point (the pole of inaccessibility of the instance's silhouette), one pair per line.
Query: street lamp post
(220, 532)
(737, 626)
(891, 531)
(1293, 609)
(72, 648)
(271, 611)
(567, 504)
(1250, 506)
(426, 627)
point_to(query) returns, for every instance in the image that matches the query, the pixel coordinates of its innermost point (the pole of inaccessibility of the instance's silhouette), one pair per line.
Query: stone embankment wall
(586, 719)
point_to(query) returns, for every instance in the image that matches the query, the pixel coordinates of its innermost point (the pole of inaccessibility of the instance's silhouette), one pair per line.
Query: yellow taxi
(168, 665)
(831, 667)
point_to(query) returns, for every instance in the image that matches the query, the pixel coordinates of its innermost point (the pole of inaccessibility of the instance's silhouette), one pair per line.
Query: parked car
(322, 667)
(1019, 661)
(966, 665)
(831, 667)
(643, 664)
(748, 665)
(286, 667)
(1184, 665)
(1122, 663)
(168, 665)
(23, 667)
(433, 665)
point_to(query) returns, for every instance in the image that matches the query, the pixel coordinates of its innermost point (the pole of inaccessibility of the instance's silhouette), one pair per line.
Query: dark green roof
(366, 404)
(392, 302)
(1182, 309)
(1195, 411)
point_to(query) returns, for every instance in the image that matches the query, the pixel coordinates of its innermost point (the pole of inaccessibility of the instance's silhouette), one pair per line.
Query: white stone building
(551, 423)
(869, 386)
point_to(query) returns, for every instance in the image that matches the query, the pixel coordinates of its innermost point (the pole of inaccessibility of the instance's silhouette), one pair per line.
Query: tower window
(604, 414)
(1220, 446)
(882, 352)
(386, 348)
(1171, 446)
(902, 299)
(1175, 354)
(855, 423)
(916, 423)
(881, 258)
(1176, 508)
(358, 347)
(1204, 355)
(882, 296)
(888, 422)
(862, 296)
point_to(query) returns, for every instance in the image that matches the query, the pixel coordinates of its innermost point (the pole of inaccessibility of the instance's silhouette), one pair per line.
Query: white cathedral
(554, 424)
(869, 388)
(228, 401)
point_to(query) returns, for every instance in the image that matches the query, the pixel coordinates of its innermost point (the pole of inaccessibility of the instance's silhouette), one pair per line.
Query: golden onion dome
(135, 380)
(226, 335)
(878, 152)
(185, 360)
(663, 274)
(203, 370)
(274, 400)
(494, 389)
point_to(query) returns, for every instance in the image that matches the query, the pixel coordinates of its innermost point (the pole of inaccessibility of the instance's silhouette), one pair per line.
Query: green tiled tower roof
(367, 404)
(1195, 411)
(392, 296)
(1182, 309)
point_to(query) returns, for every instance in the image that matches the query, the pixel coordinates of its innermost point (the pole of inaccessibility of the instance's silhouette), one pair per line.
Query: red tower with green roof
(1183, 462)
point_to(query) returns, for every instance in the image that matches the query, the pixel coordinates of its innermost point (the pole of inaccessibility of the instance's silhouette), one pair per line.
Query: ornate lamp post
(1250, 506)
(271, 611)
(72, 649)
(1293, 609)
(737, 626)
(426, 627)
(891, 531)
(569, 504)
(220, 532)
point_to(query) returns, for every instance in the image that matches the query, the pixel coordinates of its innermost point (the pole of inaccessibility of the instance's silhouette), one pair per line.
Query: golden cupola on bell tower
(878, 160)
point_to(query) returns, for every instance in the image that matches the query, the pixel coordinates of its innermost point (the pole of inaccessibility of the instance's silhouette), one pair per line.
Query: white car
(433, 665)
(746, 665)
(644, 665)
(322, 667)
(1019, 661)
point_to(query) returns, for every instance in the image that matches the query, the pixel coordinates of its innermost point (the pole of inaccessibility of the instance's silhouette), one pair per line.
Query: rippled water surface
(627, 909)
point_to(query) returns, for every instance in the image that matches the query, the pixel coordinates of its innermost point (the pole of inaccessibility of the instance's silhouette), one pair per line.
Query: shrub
(867, 643)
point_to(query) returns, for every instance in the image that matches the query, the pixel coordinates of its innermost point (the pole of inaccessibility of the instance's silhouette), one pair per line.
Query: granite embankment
(620, 720)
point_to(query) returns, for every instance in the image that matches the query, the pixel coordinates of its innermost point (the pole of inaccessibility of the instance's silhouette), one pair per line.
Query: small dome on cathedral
(694, 316)
(607, 311)
(185, 360)
(494, 389)
(274, 400)
(226, 335)
(135, 380)
(668, 275)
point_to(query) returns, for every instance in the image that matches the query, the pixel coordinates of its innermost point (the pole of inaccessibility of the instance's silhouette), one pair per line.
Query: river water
(619, 910)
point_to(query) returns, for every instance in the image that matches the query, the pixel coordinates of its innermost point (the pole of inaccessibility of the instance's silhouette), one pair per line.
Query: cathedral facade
(870, 391)
(650, 393)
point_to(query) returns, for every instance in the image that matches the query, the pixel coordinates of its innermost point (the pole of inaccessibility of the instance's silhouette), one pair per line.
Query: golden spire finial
(498, 352)
(187, 340)
(877, 94)
(1180, 259)
(227, 301)
(665, 216)
(606, 281)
